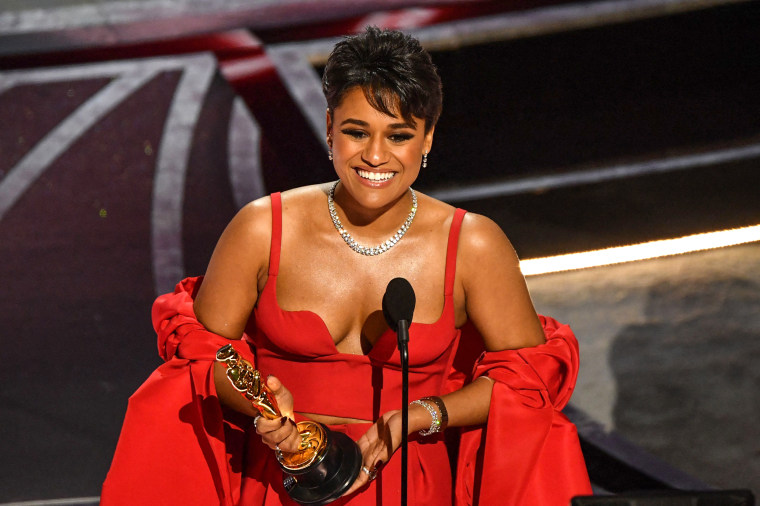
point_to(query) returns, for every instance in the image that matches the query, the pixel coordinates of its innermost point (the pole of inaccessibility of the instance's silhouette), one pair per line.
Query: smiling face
(377, 157)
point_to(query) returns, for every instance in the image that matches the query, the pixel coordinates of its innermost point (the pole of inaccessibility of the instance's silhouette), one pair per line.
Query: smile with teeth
(375, 176)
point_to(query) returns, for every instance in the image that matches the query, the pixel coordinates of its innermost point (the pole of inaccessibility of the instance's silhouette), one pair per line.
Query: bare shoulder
(251, 225)
(256, 213)
(496, 298)
(482, 238)
(240, 259)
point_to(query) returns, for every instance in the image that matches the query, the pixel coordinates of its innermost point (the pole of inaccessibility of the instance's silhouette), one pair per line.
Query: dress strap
(451, 251)
(274, 249)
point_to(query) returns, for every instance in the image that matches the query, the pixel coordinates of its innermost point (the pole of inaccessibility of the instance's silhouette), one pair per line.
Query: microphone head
(398, 302)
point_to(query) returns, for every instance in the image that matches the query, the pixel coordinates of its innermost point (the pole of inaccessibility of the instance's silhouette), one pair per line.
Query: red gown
(179, 446)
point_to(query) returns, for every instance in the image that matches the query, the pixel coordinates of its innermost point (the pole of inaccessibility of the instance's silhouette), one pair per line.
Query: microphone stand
(398, 307)
(403, 348)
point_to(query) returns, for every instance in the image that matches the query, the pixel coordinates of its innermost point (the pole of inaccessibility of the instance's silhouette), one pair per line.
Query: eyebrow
(361, 123)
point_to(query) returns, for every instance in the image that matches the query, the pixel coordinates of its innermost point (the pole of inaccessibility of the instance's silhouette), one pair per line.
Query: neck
(382, 247)
(385, 218)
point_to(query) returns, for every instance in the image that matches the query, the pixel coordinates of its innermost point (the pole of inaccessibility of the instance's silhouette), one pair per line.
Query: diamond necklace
(364, 250)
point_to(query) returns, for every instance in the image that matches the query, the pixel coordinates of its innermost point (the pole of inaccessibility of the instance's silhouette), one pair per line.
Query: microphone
(398, 302)
(398, 308)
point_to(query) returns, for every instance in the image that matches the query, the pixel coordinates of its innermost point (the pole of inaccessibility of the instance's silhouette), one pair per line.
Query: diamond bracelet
(436, 425)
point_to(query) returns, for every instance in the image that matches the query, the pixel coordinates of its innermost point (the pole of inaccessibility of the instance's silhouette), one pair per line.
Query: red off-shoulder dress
(179, 446)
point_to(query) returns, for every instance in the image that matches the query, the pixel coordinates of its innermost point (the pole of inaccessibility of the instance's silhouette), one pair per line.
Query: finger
(363, 444)
(367, 473)
(285, 430)
(291, 443)
(373, 453)
(282, 395)
(359, 482)
(265, 426)
(274, 384)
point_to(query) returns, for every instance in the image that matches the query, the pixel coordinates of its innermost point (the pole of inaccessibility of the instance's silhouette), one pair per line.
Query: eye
(399, 138)
(356, 134)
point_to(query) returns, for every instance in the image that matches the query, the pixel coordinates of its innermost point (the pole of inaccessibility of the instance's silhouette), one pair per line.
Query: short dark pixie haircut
(393, 70)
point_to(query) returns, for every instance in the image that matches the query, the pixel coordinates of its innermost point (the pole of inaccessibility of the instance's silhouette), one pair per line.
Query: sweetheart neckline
(326, 331)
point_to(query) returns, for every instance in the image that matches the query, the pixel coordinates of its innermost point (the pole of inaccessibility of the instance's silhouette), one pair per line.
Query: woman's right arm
(240, 260)
(224, 303)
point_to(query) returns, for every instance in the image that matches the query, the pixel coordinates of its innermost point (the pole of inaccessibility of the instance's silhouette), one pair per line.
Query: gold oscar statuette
(326, 463)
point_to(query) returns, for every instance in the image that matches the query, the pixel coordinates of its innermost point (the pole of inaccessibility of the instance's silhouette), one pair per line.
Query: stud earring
(329, 154)
(424, 160)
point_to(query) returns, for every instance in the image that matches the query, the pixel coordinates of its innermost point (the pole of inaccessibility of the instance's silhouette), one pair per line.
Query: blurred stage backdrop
(132, 131)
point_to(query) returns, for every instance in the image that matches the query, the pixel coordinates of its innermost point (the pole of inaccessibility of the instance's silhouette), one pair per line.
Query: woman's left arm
(496, 298)
(490, 292)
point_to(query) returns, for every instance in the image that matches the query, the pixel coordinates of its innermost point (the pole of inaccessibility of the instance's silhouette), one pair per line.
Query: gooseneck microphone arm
(398, 308)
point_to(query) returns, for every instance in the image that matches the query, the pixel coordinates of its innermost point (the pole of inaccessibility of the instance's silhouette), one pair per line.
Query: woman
(296, 262)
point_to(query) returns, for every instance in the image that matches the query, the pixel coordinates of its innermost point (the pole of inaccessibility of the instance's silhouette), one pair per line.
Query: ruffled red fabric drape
(528, 453)
(176, 445)
(179, 446)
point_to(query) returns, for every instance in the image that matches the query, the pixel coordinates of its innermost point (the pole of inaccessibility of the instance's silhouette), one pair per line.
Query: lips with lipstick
(375, 176)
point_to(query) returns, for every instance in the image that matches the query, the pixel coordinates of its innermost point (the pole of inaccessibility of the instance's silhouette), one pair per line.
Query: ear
(328, 122)
(428, 143)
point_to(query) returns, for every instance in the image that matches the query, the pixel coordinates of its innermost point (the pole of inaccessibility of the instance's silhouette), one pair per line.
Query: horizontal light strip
(581, 177)
(644, 251)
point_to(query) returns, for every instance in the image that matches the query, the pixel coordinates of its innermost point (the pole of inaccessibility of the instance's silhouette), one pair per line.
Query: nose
(374, 152)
